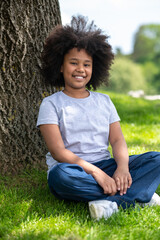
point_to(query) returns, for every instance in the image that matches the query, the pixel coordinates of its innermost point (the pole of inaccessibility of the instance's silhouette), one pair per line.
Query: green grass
(29, 211)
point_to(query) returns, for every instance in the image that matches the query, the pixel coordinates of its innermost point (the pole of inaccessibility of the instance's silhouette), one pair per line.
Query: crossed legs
(70, 181)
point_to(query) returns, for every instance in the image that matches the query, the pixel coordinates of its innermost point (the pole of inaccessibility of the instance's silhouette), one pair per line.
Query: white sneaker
(102, 208)
(155, 200)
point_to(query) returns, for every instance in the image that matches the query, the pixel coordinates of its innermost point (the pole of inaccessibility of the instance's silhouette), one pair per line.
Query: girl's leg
(145, 172)
(70, 181)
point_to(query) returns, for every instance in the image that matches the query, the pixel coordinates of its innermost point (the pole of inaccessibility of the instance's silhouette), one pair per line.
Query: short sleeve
(114, 117)
(47, 113)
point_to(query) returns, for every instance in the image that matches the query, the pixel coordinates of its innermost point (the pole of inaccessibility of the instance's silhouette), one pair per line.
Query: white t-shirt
(83, 122)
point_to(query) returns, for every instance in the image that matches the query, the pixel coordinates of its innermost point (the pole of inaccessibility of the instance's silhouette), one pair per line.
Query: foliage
(126, 76)
(146, 43)
(28, 211)
(150, 72)
(146, 51)
(156, 80)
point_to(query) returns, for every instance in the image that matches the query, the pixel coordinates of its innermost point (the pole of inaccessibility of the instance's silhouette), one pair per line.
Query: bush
(150, 71)
(126, 75)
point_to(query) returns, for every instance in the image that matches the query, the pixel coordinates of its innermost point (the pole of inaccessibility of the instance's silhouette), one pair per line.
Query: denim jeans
(70, 181)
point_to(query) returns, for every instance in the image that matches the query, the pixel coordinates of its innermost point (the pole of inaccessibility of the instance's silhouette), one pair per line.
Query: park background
(133, 28)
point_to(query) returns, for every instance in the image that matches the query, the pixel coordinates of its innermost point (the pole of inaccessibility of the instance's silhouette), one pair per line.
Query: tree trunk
(24, 27)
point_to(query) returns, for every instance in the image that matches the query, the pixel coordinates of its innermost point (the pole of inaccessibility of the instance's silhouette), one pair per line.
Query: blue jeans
(70, 181)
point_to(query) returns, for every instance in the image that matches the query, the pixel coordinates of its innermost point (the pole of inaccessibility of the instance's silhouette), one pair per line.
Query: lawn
(29, 211)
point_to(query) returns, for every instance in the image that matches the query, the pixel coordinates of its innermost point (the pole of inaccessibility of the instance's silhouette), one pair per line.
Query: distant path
(152, 97)
(140, 93)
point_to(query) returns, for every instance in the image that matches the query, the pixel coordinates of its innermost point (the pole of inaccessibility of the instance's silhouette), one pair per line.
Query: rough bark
(24, 27)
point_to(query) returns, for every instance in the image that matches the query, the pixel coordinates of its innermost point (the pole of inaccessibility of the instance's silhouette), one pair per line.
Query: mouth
(79, 77)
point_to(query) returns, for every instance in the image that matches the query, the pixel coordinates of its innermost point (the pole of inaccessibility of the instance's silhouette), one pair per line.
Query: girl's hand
(106, 182)
(122, 179)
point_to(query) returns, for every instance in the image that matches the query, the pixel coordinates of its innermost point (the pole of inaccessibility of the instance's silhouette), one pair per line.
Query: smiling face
(76, 69)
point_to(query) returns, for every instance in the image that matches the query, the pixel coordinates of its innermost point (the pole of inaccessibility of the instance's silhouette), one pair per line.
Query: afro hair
(82, 35)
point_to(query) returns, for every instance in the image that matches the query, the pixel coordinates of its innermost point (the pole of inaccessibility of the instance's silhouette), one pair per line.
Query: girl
(78, 125)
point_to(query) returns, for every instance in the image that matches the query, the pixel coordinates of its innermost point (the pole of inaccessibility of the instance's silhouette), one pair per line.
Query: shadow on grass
(26, 199)
(29, 211)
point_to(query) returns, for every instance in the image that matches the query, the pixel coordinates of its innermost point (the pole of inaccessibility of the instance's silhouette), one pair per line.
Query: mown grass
(28, 210)
(140, 122)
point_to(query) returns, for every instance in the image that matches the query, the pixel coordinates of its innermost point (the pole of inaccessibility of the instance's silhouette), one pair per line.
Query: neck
(81, 93)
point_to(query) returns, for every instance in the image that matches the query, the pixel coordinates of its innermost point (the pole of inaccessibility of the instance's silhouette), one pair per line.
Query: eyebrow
(78, 59)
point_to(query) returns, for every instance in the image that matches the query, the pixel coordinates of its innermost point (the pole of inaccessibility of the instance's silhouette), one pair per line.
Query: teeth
(78, 77)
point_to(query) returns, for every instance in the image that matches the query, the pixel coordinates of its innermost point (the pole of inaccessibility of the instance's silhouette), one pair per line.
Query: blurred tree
(126, 76)
(156, 80)
(146, 43)
(150, 71)
(119, 52)
(24, 27)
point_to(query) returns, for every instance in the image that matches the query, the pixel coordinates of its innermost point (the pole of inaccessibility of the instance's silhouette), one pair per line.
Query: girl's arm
(121, 176)
(55, 145)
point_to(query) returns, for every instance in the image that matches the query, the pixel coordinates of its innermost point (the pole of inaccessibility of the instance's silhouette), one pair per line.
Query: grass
(140, 122)
(28, 211)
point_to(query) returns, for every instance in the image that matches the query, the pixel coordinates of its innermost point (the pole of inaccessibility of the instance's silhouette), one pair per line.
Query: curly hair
(82, 35)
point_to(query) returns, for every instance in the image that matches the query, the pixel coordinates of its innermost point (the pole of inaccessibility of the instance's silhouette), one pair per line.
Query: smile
(79, 77)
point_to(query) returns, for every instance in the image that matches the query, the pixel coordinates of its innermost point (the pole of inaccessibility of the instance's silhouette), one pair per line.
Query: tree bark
(24, 27)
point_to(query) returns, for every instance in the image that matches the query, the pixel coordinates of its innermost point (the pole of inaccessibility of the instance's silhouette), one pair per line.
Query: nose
(80, 69)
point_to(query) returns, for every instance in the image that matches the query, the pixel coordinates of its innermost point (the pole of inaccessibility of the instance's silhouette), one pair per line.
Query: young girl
(78, 125)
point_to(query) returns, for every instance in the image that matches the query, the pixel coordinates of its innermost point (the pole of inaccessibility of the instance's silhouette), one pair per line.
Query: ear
(62, 68)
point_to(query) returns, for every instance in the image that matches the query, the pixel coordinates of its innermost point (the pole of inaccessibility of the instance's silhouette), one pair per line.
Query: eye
(73, 63)
(87, 65)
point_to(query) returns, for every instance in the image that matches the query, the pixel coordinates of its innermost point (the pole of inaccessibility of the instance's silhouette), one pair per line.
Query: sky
(120, 19)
